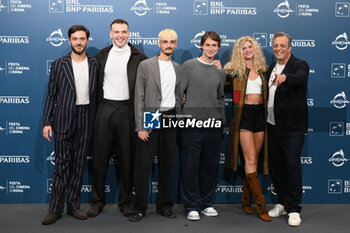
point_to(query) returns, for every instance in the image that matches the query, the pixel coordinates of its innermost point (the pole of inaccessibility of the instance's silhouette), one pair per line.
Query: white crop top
(254, 87)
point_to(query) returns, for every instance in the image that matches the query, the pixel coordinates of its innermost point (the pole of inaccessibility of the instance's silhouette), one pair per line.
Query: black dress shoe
(93, 211)
(51, 218)
(136, 217)
(78, 214)
(167, 213)
(128, 211)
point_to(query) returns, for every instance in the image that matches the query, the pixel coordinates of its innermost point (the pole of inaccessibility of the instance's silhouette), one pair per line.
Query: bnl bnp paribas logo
(336, 128)
(337, 186)
(341, 42)
(298, 43)
(137, 39)
(151, 120)
(56, 38)
(77, 6)
(14, 39)
(339, 101)
(338, 70)
(205, 7)
(342, 9)
(338, 159)
(14, 100)
(261, 38)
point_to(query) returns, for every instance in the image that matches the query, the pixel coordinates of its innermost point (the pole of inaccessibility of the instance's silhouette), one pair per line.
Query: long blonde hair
(236, 66)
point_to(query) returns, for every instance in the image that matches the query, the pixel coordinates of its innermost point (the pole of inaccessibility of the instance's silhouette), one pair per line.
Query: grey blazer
(148, 91)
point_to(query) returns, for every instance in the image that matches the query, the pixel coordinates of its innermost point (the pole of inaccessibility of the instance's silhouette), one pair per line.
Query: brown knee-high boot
(254, 185)
(246, 198)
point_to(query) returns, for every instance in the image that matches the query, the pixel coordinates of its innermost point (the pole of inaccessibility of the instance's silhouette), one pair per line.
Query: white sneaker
(277, 211)
(193, 216)
(210, 211)
(294, 219)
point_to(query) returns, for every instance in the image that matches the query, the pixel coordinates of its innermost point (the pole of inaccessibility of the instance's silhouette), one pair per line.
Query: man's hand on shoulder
(217, 63)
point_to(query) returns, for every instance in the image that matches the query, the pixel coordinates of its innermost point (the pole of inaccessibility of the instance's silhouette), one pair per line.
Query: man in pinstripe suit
(69, 113)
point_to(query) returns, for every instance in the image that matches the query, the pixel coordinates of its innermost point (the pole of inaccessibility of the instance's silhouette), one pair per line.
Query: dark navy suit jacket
(290, 104)
(61, 94)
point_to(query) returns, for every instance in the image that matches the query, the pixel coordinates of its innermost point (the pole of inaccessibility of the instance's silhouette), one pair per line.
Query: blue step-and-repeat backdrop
(34, 33)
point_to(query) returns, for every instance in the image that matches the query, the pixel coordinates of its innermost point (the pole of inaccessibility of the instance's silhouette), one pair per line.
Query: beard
(78, 52)
(166, 51)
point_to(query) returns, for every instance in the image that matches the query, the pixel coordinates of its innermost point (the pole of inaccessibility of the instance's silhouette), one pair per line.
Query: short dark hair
(78, 27)
(212, 35)
(121, 21)
(279, 34)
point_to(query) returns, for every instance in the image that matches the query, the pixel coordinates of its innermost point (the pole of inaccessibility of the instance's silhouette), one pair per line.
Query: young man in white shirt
(156, 81)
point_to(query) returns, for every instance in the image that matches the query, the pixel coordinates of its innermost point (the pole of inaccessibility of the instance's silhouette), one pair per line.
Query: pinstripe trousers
(70, 158)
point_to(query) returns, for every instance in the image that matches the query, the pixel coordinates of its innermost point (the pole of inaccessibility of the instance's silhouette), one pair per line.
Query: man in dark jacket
(115, 116)
(69, 113)
(287, 125)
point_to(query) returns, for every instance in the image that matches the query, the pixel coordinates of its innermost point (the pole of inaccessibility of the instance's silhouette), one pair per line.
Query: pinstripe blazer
(61, 93)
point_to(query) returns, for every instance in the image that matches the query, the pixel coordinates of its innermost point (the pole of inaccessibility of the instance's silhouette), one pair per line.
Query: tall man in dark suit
(156, 81)
(114, 123)
(287, 125)
(69, 113)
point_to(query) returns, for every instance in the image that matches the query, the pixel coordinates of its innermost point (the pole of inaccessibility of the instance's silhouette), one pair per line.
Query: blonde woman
(245, 72)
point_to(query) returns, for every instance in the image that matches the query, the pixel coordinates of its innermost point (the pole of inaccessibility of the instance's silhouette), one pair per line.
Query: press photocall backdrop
(34, 33)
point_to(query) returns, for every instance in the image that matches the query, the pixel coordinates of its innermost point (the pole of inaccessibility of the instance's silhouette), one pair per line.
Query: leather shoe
(78, 214)
(128, 211)
(51, 218)
(93, 211)
(167, 213)
(136, 217)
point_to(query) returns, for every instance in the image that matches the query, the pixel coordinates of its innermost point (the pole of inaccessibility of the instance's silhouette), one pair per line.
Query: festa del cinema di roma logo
(341, 42)
(197, 39)
(339, 101)
(338, 158)
(140, 8)
(56, 38)
(283, 9)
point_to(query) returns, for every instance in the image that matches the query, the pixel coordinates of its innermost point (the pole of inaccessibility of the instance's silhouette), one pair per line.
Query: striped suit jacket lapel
(68, 71)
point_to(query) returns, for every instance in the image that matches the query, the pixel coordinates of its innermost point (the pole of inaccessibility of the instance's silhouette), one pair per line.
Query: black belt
(115, 102)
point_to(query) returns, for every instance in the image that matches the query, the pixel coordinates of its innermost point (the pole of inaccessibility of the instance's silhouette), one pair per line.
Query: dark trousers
(112, 127)
(70, 157)
(285, 168)
(199, 167)
(163, 143)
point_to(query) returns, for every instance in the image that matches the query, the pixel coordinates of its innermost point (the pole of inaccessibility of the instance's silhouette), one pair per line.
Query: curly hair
(237, 66)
